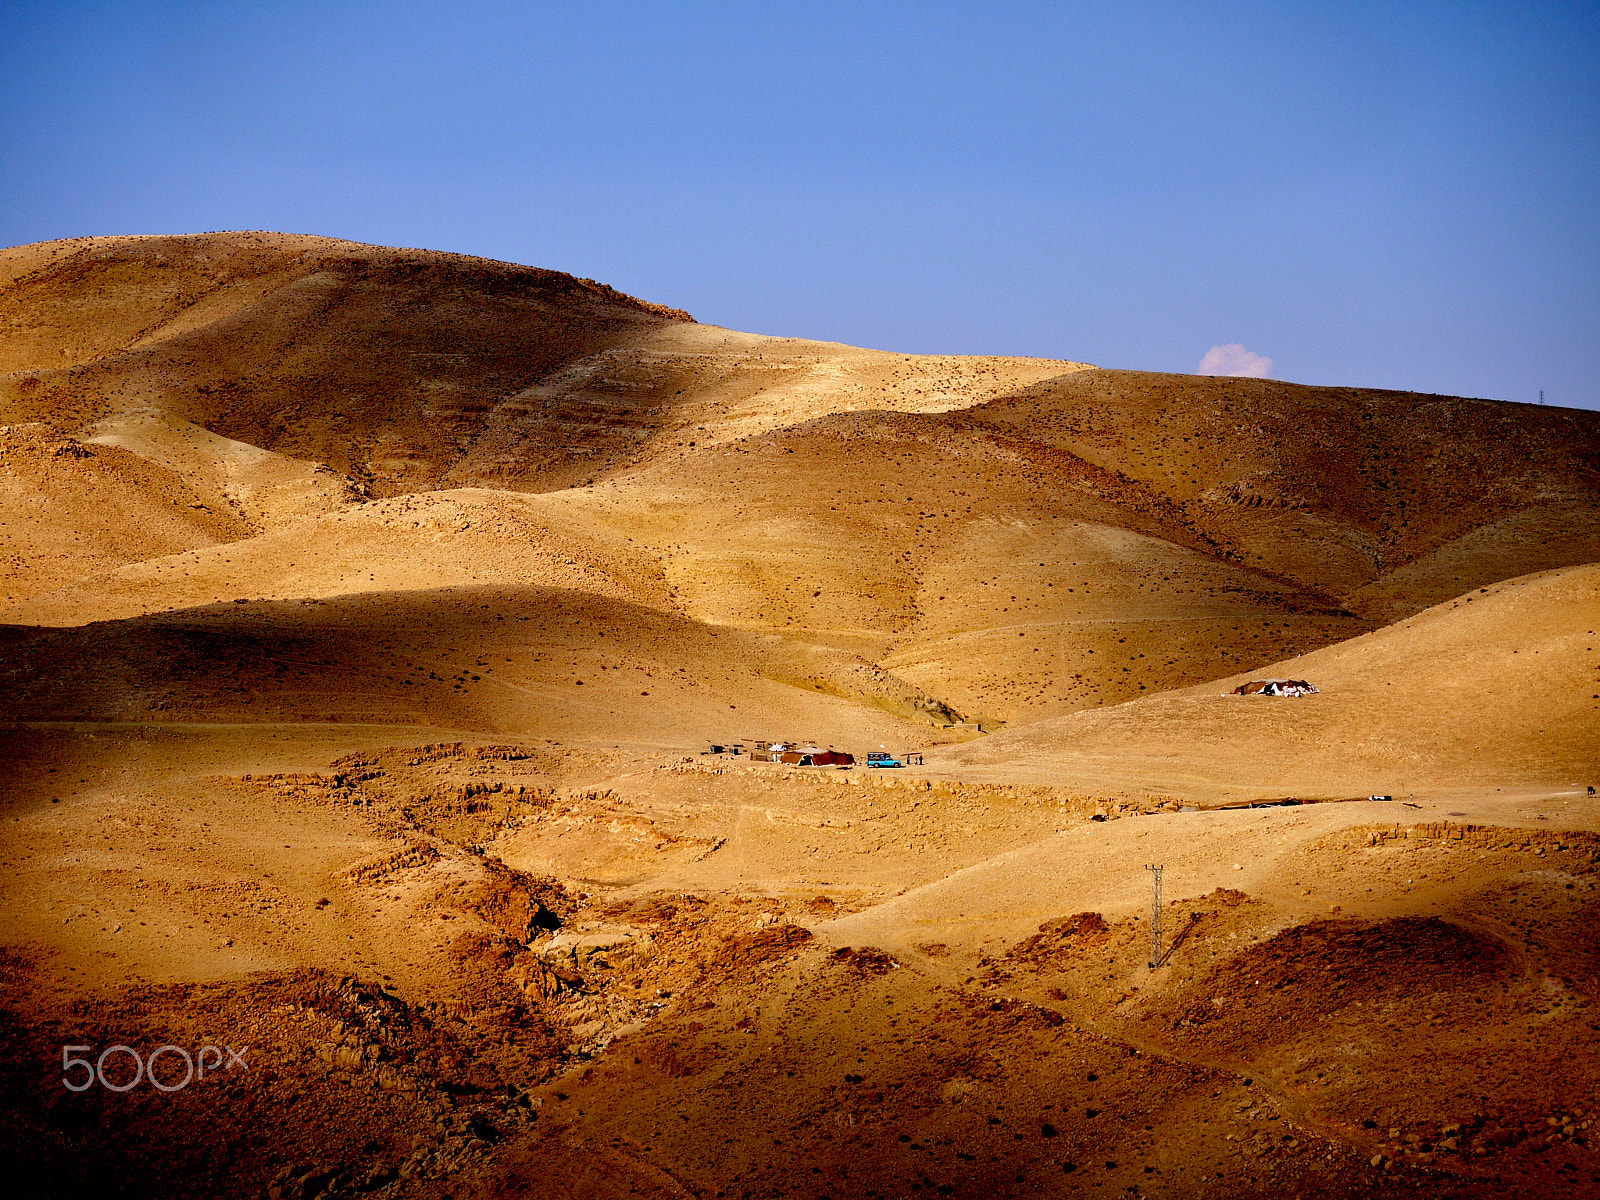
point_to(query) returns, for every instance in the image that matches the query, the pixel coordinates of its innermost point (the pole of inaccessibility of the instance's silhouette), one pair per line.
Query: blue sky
(1395, 195)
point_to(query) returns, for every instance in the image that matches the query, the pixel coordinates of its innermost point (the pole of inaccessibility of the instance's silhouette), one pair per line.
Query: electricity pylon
(1155, 915)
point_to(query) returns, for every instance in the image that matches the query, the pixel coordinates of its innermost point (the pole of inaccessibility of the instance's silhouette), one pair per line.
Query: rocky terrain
(369, 616)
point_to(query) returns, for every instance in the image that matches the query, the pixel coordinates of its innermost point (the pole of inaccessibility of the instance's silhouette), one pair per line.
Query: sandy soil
(369, 615)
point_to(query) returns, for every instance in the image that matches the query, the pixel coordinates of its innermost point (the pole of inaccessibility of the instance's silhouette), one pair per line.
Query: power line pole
(1155, 915)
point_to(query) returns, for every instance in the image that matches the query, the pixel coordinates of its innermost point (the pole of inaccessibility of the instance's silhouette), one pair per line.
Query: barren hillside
(1497, 688)
(368, 618)
(1017, 537)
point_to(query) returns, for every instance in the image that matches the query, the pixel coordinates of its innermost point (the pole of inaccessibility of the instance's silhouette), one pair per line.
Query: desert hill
(1338, 489)
(1497, 688)
(1021, 538)
(366, 616)
(405, 370)
(380, 363)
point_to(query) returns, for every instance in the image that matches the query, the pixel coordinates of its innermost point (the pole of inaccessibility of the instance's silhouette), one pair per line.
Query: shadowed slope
(381, 363)
(1338, 488)
(528, 660)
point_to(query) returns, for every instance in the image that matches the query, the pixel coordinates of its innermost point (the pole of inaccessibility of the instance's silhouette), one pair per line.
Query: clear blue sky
(1388, 195)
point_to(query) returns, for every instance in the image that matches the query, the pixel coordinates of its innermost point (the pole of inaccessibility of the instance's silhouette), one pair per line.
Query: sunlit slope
(1006, 577)
(260, 488)
(1498, 687)
(413, 543)
(528, 660)
(679, 387)
(1338, 489)
(67, 510)
(1003, 599)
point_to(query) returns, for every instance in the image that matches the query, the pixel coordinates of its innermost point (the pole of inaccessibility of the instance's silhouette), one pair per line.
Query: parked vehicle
(879, 759)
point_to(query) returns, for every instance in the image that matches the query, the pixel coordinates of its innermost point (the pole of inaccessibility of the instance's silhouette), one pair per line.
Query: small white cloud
(1234, 359)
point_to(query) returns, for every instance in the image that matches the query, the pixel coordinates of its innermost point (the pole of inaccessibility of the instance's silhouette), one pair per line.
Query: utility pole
(1155, 915)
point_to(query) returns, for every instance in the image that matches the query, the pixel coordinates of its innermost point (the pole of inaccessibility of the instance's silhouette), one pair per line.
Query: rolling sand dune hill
(1498, 688)
(367, 614)
(412, 369)
(678, 387)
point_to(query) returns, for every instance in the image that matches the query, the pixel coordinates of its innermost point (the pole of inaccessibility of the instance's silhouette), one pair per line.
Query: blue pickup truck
(879, 759)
